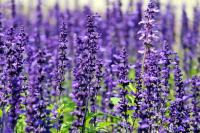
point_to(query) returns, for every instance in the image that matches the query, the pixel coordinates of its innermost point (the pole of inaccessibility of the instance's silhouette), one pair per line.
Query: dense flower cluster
(63, 71)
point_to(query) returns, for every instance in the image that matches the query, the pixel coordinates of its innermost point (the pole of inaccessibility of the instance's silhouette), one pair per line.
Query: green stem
(95, 111)
(87, 100)
(59, 97)
(143, 64)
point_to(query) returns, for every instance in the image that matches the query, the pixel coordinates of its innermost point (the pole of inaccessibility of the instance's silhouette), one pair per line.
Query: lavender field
(78, 71)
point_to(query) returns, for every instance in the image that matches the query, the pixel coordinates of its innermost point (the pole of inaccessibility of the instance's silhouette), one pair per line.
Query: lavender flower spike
(123, 70)
(195, 108)
(62, 57)
(148, 33)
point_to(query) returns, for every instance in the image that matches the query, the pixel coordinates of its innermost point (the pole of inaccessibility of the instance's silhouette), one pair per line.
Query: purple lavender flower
(179, 113)
(138, 95)
(20, 50)
(39, 14)
(168, 22)
(136, 28)
(37, 112)
(165, 61)
(152, 100)
(148, 33)
(57, 14)
(92, 48)
(12, 85)
(42, 119)
(83, 73)
(99, 74)
(14, 24)
(62, 57)
(109, 84)
(79, 85)
(123, 70)
(38, 25)
(195, 109)
(186, 43)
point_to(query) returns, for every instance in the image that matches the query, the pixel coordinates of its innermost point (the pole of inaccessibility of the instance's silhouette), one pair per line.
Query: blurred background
(171, 18)
(100, 5)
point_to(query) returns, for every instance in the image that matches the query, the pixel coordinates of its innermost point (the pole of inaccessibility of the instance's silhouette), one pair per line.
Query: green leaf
(102, 130)
(66, 125)
(132, 88)
(120, 86)
(165, 124)
(130, 113)
(167, 113)
(87, 122)
(50, 107)
(101, 113)
(91, 130)
(104, 124)
(136, 123)
(60, 108)
(8, 108)
(21, 124)
(115, 100)
(98, 114)
(71, 105)
(66, 107)
(1, 113)
(65, 110)
(23, 106)
(131, 98)
(21, 131)
(22, 94)
(54, 130)
(113, 116)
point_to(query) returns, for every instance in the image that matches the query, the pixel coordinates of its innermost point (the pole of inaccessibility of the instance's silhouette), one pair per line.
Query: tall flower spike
(148, 33)
(92, 48)
(195, 109)
(20, 50)
(2, 79)
(165, 61)
(12, 86)
(39, 14)
(41, 123)
(14, 24)
(123, 70)
(179, 115)
(168, 22)
(62, 57)
(138, 95)
(99, 74)
(60, 71)
(38, 25)
(79, 85)
(151, 94)
(186, 42)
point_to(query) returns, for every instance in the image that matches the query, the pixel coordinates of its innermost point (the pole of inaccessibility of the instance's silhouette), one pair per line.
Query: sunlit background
(100, 5)
(43, 32)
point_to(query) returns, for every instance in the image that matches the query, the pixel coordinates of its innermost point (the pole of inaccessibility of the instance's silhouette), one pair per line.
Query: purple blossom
(195, 109)
(148, 33)
(123, 70)
(179, 113)
(62, 63)
(35, 69)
